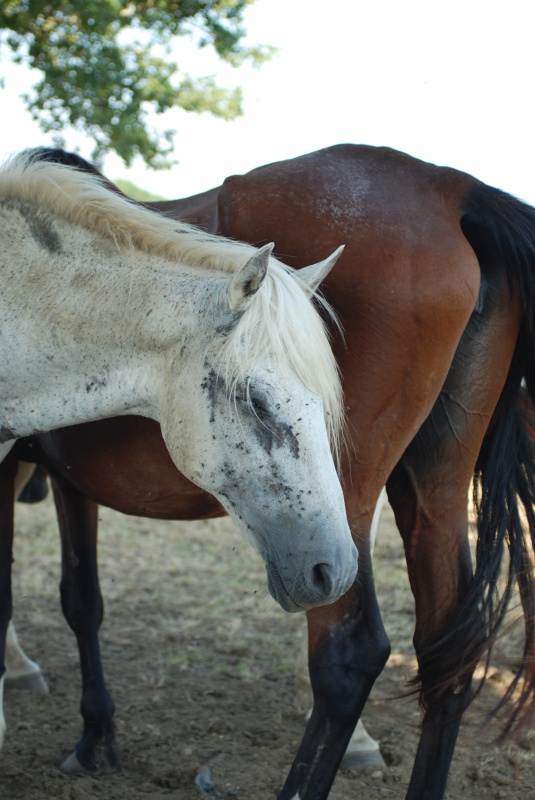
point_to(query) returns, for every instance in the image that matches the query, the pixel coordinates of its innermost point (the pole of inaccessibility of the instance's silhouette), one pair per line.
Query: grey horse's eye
(260, 408)
(253, 402)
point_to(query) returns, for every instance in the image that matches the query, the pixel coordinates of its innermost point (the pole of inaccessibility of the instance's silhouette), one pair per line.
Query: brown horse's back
(404, 287)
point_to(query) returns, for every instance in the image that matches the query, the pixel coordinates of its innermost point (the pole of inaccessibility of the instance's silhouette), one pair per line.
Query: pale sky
(447, 81)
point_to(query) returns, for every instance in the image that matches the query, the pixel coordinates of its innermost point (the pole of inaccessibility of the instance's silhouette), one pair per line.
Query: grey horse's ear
(311, 277)
(248, 279)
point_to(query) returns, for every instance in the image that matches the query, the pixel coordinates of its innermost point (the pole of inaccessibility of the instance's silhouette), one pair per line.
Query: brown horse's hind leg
(348, 649)
(428, 491)
(82, 605)
(433, 523)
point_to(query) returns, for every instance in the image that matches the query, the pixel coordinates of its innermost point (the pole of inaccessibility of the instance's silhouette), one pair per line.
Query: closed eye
(255, 404)
(260, 409)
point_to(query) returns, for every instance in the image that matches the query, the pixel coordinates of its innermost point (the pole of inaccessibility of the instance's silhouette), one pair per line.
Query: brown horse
(435, 293)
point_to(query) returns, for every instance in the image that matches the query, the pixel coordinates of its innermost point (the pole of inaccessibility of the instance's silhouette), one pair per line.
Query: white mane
(280, 324)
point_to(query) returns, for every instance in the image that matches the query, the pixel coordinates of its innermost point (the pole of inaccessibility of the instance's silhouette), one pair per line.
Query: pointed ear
(248, 279)
(311, 277)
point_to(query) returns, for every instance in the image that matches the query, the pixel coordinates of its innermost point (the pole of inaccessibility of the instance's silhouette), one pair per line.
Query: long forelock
(85, 200)
(281, 326)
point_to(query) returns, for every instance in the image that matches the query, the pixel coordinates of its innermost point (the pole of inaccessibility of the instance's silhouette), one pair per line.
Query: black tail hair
(501, 230)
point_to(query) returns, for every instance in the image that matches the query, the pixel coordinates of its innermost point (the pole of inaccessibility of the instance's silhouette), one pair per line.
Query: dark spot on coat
(212, 385)
(95, 383)
(41, 228)
(271, 433)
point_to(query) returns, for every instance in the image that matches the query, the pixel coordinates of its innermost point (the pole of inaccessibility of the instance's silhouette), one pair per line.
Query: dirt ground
(200, 662)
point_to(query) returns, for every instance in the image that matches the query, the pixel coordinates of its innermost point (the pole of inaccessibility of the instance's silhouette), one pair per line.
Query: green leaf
(100, 73)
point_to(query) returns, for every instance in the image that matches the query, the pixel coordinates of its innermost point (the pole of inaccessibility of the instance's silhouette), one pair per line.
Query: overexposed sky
(448, 81)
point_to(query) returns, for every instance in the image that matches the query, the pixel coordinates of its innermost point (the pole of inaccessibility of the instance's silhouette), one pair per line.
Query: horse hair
(504, 482)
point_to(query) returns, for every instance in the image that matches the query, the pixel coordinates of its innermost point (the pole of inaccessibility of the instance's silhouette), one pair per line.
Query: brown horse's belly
(123, 463)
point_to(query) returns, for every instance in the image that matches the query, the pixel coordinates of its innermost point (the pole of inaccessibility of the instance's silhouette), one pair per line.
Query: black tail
(508, 225)
(505, 485)
(501, 230)
(505, 473)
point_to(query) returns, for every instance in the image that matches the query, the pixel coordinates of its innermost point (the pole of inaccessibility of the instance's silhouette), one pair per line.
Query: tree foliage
(105, 64)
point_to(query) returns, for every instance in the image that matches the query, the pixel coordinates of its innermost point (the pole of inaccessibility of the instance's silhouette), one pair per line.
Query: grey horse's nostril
(322, 581)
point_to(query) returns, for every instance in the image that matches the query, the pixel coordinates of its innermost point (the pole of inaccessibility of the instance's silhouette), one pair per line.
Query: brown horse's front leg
(348, 649)
(82, 605)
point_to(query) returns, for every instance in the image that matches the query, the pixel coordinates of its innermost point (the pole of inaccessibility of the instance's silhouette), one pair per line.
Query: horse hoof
(31, 682)
(358, 761)
(71, 766)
